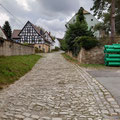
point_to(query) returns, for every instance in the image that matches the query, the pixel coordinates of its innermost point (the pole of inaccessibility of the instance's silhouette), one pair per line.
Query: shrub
(38, 50)
(56, 49)
(89, 42)
(63, 45)
(85, 42)
(77, 46)
(77, 29)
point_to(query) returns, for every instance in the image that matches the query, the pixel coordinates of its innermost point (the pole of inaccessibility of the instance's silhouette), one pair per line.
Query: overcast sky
(49, 14)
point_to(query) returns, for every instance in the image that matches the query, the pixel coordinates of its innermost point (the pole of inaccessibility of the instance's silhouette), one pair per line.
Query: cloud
(24, 4)
(3, 17)
(60, 6)
(50, 14)
(55, 26)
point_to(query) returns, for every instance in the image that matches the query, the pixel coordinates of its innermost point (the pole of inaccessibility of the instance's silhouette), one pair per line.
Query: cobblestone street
(57, 90)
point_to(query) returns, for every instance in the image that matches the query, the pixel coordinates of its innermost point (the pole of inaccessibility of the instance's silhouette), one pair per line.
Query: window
(26, 39)
(39, 46)
(28, 30)
(91, 19)
(92, 27)
(33, 39)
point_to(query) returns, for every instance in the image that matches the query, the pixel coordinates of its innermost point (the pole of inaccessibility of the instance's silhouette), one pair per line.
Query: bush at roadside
(84, 42)
(89, 42)
(56, 49)
(38, 50)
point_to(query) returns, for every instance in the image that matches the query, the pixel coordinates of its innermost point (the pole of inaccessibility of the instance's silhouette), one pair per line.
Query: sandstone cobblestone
(57, 90)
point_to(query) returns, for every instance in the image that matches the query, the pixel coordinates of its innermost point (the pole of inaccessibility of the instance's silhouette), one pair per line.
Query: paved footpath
(57, 90)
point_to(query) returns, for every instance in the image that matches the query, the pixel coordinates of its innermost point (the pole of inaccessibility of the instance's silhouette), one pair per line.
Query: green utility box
(112, 55)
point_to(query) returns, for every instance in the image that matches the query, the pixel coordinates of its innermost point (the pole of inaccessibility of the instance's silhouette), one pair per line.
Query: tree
(42, 30)
(117, 23)
(7, 29)
(63, 45)
(111, 6)
(80, 15)
(112, 21)
(102, 27)
(79, 28)
(105, 25)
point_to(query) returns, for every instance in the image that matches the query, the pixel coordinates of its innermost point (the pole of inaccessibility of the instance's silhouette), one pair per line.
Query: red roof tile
(15, 34)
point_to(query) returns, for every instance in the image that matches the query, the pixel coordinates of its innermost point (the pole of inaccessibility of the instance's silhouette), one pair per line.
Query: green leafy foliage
(102, 9)
(56, 49)
(38, 50)
(63, 45)
(85, 42)
(99, 6)
(7, 30)
(118, 24)
(102, 27)
(78, 29)
(88, 42)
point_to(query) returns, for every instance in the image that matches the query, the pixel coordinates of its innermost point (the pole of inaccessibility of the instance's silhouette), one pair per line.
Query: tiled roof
(49, 35)
(86, 12)
(36, 28)
(15, 34)
(41, 32)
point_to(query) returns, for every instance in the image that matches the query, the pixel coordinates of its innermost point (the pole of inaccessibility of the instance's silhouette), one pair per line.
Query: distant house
(2, 34)
(56, 43)
(90, 19)
(15, 36)
(31, 34)
(48, 37)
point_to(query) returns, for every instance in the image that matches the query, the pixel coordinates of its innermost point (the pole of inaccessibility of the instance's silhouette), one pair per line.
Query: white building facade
(56, 43)
(91, 21)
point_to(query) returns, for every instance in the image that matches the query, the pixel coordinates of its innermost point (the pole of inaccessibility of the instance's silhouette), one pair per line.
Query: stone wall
(8, 48)
(93, 56)
(43, 47)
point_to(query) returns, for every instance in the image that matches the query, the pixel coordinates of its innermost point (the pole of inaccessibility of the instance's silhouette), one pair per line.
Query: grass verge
(70, 59)
(14, 67)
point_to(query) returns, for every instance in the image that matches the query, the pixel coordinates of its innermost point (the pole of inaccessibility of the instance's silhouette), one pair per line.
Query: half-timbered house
(31, 34)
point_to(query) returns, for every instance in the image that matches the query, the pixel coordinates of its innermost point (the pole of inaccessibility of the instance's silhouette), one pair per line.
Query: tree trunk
(113, 22)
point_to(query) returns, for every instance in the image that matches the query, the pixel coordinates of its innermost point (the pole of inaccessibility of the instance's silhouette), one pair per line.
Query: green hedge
(89, 42)
(84, 42)
(56, 49)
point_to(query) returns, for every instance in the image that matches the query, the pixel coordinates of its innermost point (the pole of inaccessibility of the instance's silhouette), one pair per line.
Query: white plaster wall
(2, 35)
(89, 21)
(92, 21)
(55, 44)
